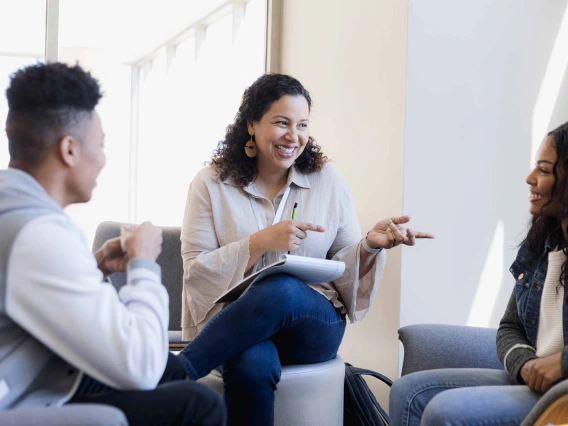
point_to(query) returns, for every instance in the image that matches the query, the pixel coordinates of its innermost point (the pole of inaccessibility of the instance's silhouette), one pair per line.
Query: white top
(55, 292)
(219, 220)
(550, 337)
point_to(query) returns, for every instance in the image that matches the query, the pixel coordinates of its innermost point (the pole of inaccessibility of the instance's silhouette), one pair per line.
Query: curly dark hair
(229, 159)
(541, 227)
(45, 101)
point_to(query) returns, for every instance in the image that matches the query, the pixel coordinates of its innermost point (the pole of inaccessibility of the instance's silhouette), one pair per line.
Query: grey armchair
(172, 272)
(432, 346)
(68, 415)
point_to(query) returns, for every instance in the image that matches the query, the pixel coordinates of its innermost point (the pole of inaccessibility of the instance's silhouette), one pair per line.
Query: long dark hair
(542, 227)
(229, 159)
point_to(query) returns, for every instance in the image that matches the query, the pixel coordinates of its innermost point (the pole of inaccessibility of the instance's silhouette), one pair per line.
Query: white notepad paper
(309, 270)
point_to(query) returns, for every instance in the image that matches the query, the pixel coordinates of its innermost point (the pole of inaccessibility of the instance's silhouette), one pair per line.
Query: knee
(400, 398)
(284, 289)
(202, 405)
(253, 369)
(405, 387)
(410, 395)
(441, 411)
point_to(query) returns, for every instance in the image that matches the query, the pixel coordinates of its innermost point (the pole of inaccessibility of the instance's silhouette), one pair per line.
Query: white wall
(351, 57)
(485, 81)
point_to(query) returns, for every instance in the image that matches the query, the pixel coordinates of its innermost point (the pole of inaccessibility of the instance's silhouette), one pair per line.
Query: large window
(22, 42)
(172, 72)
(188, 93)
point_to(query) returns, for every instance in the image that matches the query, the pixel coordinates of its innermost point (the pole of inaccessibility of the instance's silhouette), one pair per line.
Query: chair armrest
(431, 346)
(552, 408)
(176, 343)
(68, 415)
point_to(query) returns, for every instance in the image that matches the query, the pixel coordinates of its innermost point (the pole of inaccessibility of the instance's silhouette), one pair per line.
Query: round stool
(309, 394)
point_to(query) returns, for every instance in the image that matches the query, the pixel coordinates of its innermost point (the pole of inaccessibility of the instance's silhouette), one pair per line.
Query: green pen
(294, 210)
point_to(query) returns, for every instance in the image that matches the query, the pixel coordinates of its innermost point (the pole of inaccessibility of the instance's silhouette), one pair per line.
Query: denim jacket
(517, 334)
(528, 291)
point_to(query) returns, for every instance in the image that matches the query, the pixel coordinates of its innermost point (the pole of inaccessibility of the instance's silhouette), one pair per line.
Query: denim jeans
(279, 321)
(459, 397)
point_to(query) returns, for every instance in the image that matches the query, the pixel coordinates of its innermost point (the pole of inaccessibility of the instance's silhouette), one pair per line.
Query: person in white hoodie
(66, 335)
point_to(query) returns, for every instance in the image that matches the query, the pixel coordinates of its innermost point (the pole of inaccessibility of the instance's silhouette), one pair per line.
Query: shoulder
(51, 242)
(52, 231)
(329, 176)
(205, 180)
(207, 175)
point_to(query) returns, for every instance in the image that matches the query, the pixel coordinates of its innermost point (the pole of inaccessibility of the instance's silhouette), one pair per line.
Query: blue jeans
(459, 397)
(279, 321)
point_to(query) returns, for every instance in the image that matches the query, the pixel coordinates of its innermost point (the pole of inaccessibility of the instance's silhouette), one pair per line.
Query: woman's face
(541, 179)
(282, 133)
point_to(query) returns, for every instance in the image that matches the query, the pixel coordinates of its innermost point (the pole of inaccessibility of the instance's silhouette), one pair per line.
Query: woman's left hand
(389, 233)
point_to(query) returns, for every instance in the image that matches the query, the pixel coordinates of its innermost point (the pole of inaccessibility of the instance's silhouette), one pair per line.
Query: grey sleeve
(513, 347)
(564, 362)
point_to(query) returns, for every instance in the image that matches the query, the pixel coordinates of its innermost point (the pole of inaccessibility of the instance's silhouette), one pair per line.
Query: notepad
(309, 270)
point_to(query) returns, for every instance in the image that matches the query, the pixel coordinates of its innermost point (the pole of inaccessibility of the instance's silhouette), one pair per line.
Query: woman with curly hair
(236, 222)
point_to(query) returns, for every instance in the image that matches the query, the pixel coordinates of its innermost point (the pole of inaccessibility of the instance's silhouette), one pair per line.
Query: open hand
(389, 233)
(541, 373)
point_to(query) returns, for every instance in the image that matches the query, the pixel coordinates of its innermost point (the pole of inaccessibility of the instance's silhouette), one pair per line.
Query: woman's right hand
(287, 235)
(541, 373)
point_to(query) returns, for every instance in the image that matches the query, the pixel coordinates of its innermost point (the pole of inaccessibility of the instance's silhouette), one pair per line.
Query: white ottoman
(307, 395)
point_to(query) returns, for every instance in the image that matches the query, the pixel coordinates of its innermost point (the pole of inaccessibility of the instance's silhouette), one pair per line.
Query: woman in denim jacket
(532, 333)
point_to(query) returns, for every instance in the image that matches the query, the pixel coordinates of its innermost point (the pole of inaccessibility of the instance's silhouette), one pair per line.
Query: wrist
(100, 258)
(257, 243)
(369, 249)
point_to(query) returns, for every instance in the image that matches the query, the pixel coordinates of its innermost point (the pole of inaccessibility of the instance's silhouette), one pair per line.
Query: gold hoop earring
(250, 148)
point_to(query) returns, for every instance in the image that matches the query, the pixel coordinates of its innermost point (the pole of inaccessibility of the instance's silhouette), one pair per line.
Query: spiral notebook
(310, 270)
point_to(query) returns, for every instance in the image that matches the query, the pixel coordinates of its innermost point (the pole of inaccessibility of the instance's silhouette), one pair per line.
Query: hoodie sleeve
(55, 292)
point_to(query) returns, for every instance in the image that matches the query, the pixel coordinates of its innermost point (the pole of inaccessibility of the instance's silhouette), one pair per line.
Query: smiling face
(541, 181)
(281, 134)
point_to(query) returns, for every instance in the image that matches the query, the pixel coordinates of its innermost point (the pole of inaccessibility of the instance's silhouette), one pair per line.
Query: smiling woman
(530, 339)
(269, 169)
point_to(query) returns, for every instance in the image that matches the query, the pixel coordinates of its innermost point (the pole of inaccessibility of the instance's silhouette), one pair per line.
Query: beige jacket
(219, 220)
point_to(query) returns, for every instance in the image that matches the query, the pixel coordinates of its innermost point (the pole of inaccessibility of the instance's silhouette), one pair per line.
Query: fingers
(306, 226)
(396, 234)
(532, 379)
(405, 219)
(424, 235)
(400, 219)
(296, 243)
(410, 239)
(538, 382)
(545, 385)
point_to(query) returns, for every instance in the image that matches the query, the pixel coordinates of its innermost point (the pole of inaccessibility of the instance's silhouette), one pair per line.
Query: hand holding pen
(294, 211)
(285, 236)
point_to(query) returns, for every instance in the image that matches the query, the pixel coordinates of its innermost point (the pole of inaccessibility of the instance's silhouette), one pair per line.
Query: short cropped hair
(45, 101)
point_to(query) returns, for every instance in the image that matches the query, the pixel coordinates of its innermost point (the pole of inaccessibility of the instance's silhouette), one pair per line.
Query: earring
(250, 148)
